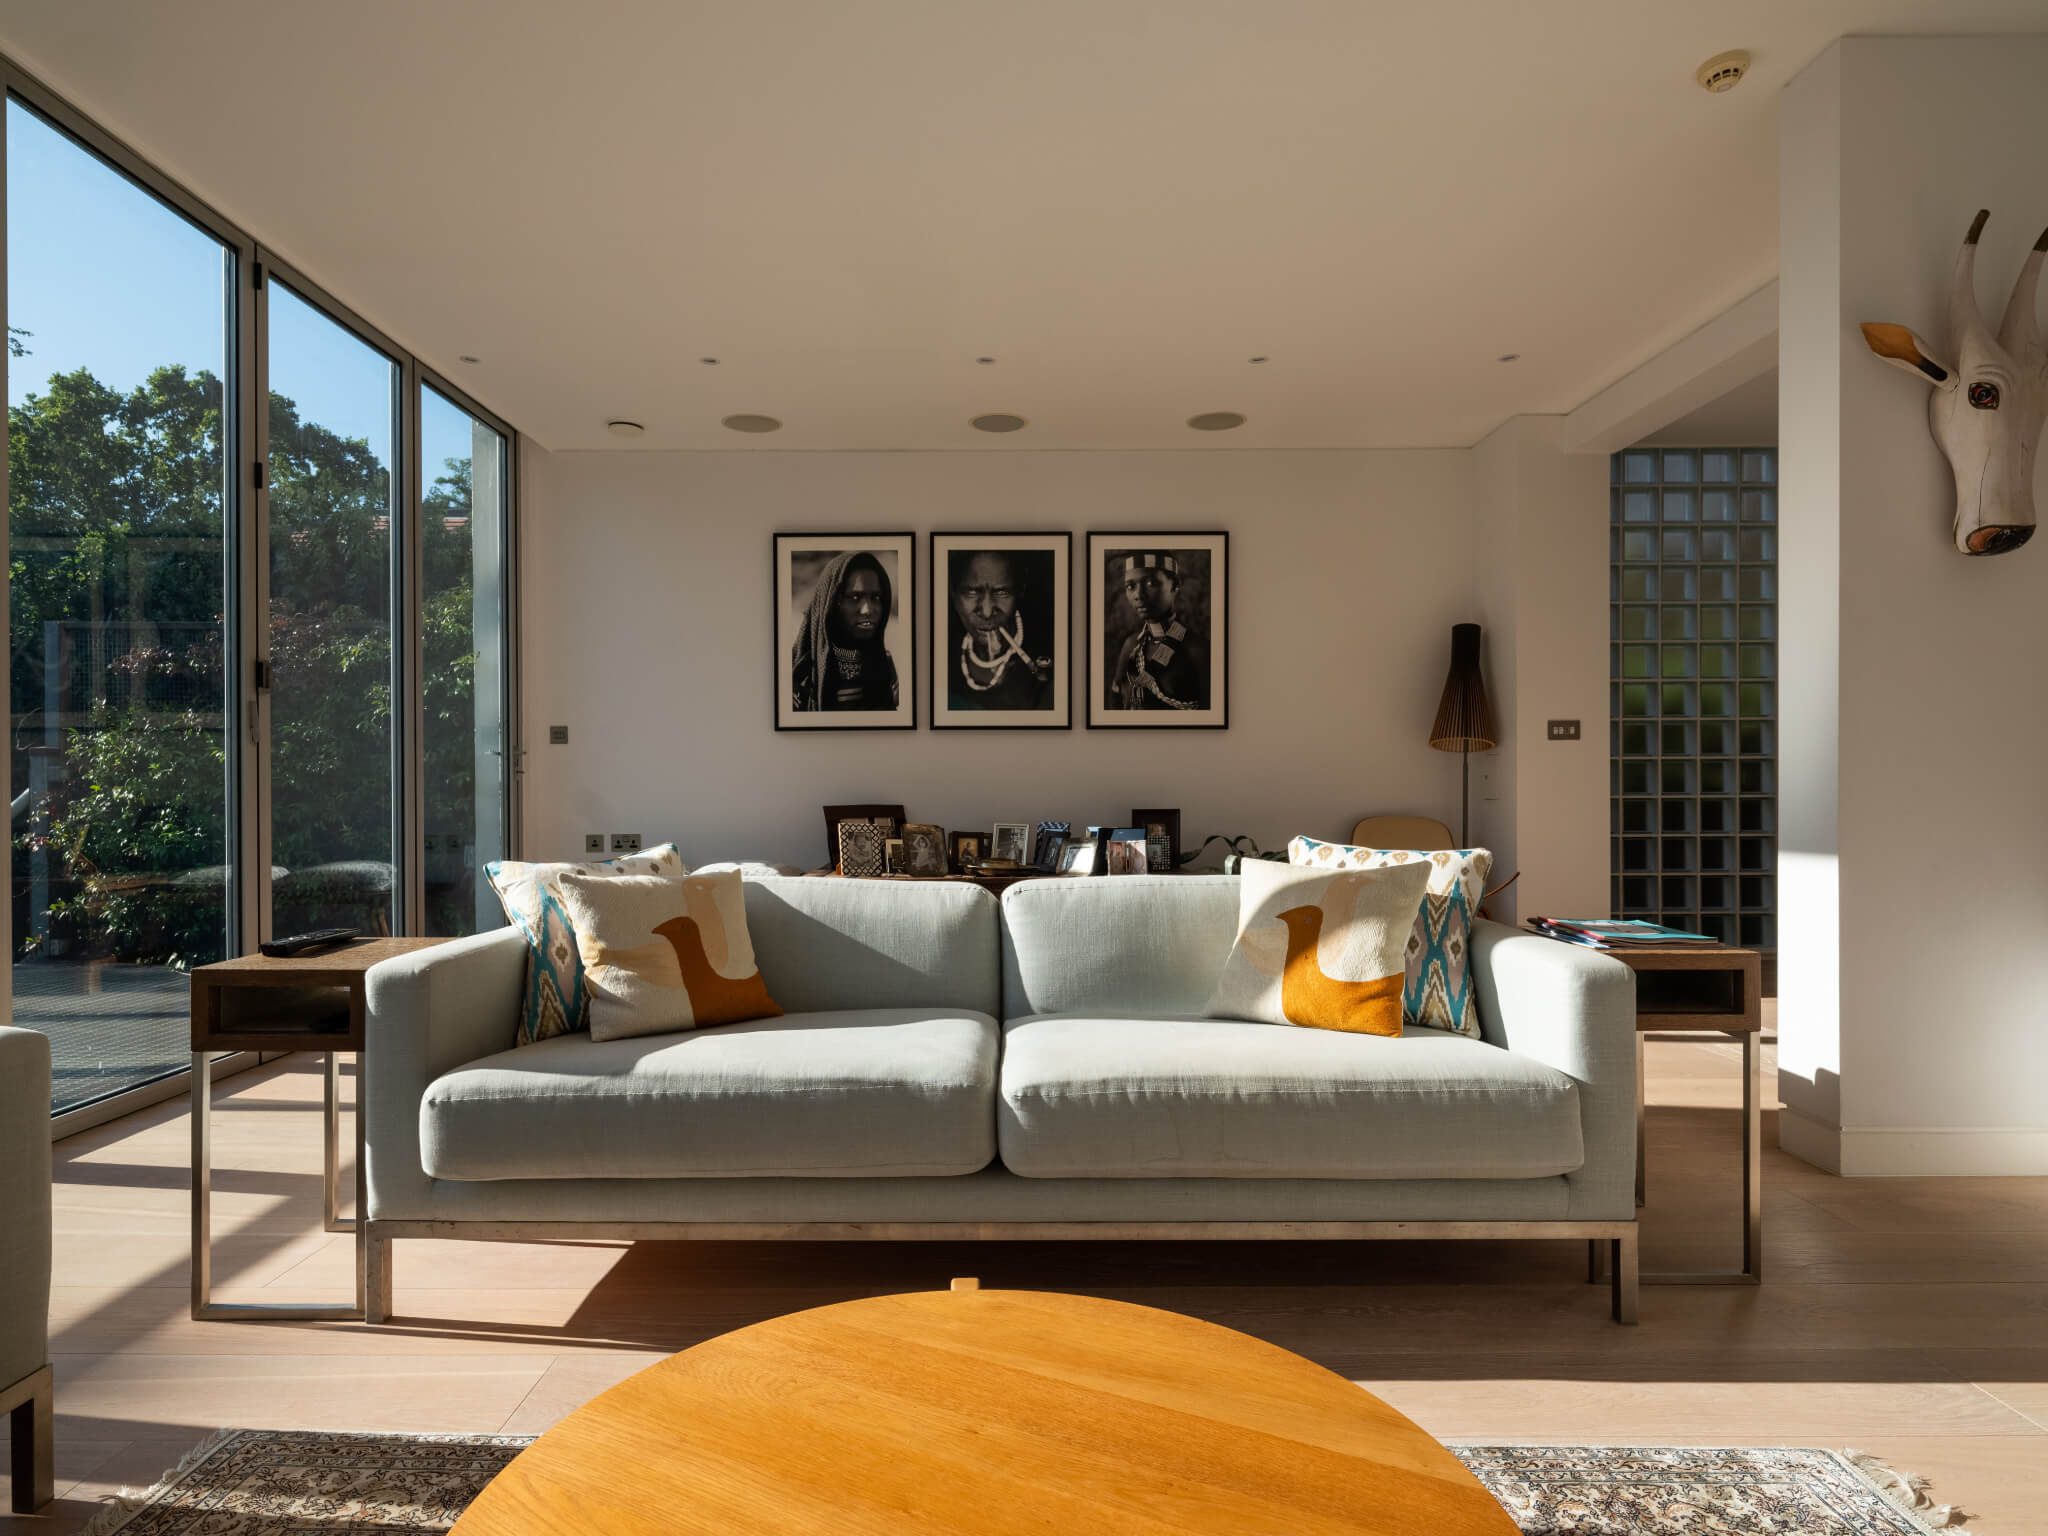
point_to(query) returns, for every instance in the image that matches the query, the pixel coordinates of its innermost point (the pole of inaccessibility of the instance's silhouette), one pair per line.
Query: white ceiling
(1120, 201)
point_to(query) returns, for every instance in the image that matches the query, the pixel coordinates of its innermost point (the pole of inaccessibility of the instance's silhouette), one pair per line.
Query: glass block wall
(1694, 631)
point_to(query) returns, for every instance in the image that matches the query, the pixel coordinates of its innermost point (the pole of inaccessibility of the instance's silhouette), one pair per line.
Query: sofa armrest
(1573, 1009)
(24, 1204)
(429, 1012)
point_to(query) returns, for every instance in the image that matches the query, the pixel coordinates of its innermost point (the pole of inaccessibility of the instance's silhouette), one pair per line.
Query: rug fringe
(1905, 1491)
(124, 1506)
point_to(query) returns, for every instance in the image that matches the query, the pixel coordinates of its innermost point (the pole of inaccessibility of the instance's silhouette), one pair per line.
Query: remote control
(307, 943)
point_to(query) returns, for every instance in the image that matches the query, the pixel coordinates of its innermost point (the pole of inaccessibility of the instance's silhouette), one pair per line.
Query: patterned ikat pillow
(556, 1000)
(1439, 991)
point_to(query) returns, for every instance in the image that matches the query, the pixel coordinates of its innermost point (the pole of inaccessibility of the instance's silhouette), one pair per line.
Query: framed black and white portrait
(845, 641)
(1002, 631)
(1158, 630)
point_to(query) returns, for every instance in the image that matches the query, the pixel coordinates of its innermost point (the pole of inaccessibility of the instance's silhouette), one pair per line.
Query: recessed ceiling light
(984, 360)
(750, 423)
(1723, 71)
(708, 362)
(997, 422)
(1509, 357)
(1216, 421)
(466, 358)
(624, 428)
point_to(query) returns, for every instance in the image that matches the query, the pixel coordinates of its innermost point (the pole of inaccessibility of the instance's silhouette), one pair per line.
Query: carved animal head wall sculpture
(1988, 405)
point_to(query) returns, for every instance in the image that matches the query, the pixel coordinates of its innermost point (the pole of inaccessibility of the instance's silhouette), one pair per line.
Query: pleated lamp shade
(1464, 723)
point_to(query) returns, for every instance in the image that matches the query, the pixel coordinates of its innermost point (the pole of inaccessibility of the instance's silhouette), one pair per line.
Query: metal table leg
(204, 1307)
(330, 1177)
(1752, 1271)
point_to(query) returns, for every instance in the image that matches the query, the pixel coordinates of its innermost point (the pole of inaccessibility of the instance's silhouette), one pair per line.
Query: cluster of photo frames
(992, 640)
(866, 841)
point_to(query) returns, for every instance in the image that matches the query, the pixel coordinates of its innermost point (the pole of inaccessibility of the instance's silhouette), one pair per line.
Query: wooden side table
(310, 1003)
(1700, 986)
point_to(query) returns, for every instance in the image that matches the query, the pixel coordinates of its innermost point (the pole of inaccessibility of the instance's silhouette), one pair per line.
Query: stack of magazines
(1599, 933)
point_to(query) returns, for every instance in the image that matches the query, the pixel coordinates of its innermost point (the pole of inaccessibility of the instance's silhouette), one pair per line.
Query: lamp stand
(1464, 796)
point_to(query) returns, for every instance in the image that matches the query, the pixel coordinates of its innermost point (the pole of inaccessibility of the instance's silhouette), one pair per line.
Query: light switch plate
(1564, 730)
(625, 842)
(558, 735)
(593, 842)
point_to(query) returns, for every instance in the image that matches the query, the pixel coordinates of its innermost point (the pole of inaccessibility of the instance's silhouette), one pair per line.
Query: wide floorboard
(1906, 1317)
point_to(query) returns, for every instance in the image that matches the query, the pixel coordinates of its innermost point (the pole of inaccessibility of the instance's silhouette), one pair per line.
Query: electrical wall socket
(593, 842)
(625, 842)
(1564, 730)
(558, 735)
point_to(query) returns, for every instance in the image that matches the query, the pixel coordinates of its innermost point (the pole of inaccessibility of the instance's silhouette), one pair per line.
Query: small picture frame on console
(1011, 842)
(1158, 626)
(924, 850)
(1077, 856)
(887, 817)
(1126, 850)
(1052, 836)
(845, 651)
(1162, 839)
(1001, 631)
(965, 848)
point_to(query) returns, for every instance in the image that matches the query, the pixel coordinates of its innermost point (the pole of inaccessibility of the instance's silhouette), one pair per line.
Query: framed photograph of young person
(1158, 628)
(1001, 631)
(845, 652)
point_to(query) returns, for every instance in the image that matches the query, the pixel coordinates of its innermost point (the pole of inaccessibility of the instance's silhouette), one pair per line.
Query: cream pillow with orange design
(661, 955)
(1320, 948)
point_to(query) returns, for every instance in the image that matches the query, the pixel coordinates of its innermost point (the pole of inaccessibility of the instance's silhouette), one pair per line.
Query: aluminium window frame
(245, 520)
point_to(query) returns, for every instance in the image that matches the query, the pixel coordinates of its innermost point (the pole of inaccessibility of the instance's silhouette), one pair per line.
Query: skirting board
(1911, 1151)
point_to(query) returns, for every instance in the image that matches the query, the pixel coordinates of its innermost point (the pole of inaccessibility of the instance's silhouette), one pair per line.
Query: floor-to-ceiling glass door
(120, 515)
(464, 672)
(259, 648)
(336, 520)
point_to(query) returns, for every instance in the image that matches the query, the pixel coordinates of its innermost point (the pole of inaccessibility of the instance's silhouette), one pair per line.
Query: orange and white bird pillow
(664, 954)
(1321, 948)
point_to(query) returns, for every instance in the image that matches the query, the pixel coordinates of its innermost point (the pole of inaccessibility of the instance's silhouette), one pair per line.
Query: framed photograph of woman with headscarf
(845, 641)
(1002, 630)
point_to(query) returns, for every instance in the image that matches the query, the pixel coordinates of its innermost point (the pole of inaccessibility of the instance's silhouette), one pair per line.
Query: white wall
(1541, 553)
(1913, 818)
(645, 597)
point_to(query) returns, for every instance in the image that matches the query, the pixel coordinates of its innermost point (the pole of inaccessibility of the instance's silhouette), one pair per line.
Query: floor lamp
(1464, 724)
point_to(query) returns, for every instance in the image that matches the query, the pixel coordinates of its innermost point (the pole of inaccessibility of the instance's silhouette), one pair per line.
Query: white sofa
(25, 1379)
(950, 1067)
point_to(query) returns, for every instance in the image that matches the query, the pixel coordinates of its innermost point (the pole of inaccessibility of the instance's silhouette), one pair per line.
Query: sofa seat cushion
(1111, 1098)
(876, 1092)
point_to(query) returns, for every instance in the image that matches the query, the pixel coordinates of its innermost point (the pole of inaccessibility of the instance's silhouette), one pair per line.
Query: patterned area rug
(253, 1482)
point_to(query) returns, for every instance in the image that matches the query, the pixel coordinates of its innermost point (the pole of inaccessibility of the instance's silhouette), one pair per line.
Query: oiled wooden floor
(1905, 1317)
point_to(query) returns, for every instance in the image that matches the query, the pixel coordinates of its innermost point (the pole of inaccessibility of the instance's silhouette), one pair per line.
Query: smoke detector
(1723, 71)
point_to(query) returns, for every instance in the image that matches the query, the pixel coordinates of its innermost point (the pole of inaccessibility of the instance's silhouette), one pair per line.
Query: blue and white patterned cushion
(531, 895)
(1438, 991)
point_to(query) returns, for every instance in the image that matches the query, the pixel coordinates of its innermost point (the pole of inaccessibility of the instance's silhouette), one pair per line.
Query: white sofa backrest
(1125, 945)
(827, 944)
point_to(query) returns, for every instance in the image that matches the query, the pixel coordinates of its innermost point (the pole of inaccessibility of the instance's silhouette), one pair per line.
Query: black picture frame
(786, 627)
(1212, 627)
(1048, 642)
(1170, 819)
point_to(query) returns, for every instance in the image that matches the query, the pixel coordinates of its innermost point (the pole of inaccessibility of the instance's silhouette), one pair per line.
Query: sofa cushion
(1114, 1098)
(867, 1093)
(825, 944)
(1129, 947)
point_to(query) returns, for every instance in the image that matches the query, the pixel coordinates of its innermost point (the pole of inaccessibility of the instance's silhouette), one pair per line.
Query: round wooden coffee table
(986, 1412)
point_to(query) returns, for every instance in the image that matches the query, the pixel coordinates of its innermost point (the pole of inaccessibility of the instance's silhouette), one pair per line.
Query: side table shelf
(310, 1003)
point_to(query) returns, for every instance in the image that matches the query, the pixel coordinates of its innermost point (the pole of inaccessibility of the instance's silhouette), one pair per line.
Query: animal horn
(1963, 314)
(2017, 332)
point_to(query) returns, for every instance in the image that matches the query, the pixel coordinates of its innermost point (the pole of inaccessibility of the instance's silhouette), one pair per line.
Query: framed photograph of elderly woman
(1158, 630)
(1002, 631)
(845, 631)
